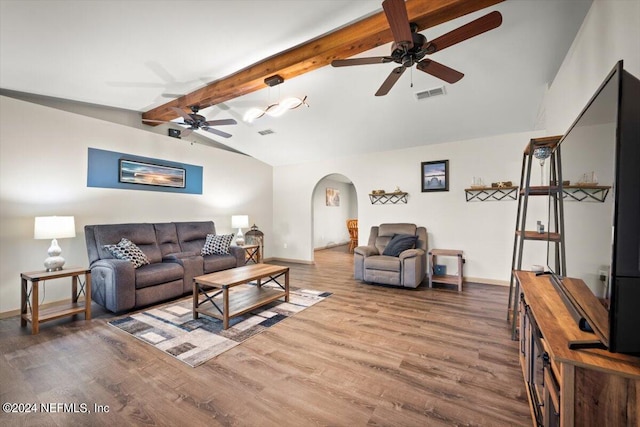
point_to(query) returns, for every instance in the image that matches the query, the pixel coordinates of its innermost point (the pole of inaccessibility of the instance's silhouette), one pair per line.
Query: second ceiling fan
(410, 47)
(196, 121)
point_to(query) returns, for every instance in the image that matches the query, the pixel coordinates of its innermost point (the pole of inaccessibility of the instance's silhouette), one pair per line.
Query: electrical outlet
(285, 246)
(602, 275)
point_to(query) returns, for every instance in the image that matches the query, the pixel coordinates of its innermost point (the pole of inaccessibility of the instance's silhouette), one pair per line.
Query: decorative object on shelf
(54, 227)
(491, 194)
(333, 196)
(239, 222)
(477, 182)
(255, 237)
(542, 153)
(588, 179)
(388, 198)
(277, 109)
(435, 176)
(377, 192)
(501, 184)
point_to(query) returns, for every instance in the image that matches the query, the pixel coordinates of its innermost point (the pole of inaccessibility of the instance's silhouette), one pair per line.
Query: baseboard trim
(485, 281)
(293, 261)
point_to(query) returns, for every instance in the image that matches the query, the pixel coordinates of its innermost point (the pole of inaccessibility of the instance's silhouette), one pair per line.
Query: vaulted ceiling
(145, 56)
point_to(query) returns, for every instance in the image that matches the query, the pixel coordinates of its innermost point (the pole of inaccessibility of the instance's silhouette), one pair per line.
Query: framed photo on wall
(435, 176)
(135, 172)
(333, 196)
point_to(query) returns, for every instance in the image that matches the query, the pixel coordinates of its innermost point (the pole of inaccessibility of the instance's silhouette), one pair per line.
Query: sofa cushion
(127, 250)
(192, 235)
(143, 235)
(167, 238)
(400, 243)
(219, 262)
(158, 273)
(217, 244)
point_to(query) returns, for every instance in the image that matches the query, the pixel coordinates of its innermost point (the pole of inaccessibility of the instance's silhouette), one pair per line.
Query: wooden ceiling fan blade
(467, 31)
(396, 13)
(182, 113)
(217, 132)
(361, 61)
(390, 81)
(440, 71)
(220, 122)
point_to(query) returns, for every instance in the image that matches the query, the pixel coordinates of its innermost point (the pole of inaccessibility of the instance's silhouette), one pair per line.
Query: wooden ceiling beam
(357, 37)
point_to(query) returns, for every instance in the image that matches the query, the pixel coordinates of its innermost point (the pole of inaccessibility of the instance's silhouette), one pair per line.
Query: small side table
(252, 254)
(451, 279)
(30, 311)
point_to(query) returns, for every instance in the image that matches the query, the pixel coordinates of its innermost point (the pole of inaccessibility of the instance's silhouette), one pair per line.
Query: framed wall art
(435, 176)
(333, 196)
(136, 172)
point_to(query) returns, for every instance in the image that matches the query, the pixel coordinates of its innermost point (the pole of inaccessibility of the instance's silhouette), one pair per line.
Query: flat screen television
(602, 234)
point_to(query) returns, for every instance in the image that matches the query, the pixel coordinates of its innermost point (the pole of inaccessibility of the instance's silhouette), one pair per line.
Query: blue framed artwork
(134, 172)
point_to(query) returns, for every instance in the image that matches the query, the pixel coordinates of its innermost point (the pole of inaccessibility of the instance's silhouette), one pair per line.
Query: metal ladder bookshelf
(552, 190)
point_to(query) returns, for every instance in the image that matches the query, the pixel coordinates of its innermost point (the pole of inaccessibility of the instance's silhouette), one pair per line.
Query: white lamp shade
(240, 221)
(54, 227)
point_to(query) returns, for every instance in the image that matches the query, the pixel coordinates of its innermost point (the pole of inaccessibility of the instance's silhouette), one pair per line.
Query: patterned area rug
(172, 329)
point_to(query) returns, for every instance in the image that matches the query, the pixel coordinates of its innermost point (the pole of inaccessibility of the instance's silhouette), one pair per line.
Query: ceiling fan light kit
(410, 47)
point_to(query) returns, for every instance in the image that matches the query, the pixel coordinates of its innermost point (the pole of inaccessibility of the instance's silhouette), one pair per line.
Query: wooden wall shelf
(385, 198)
(491, 194)
(585, 193)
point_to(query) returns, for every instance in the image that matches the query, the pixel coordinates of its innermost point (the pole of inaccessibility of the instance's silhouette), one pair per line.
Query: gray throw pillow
(129, 251)
(400, 243)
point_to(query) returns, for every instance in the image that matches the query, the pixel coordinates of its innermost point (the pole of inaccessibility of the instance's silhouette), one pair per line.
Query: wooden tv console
(582, 387)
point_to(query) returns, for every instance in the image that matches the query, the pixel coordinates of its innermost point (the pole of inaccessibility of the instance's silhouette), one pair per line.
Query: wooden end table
(30, 310)
(252, 254)
(226, 305)
(452, 279)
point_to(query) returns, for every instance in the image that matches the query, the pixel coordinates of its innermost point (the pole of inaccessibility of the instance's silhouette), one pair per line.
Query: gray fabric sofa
(408, 269)
(174, 253)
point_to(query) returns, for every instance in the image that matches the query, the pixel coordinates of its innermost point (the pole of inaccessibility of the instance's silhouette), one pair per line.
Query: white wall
(330, 222)
(484, 230)
(43, 171)
(610, 32)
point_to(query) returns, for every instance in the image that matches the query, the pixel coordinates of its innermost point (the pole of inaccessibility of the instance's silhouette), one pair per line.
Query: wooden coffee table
(214, 288)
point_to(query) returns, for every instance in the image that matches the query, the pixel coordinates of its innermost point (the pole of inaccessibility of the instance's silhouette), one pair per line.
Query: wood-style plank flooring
(367, 355)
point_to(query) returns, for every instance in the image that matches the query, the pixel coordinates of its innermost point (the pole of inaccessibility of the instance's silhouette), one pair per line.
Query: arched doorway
(334, 200)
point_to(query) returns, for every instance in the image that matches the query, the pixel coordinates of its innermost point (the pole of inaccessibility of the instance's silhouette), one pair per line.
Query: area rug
(172, 329)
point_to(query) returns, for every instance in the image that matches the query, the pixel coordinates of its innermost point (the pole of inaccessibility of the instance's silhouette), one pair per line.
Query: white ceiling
(134, 54)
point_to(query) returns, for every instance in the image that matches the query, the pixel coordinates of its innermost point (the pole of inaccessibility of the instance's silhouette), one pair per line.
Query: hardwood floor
(367, 355)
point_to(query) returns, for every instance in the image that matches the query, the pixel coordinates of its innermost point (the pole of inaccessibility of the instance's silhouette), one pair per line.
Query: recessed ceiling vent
(429, 93)
(265, 132)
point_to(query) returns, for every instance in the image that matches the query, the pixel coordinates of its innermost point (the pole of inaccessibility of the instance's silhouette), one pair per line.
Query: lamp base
(239, 238)
(54, 263)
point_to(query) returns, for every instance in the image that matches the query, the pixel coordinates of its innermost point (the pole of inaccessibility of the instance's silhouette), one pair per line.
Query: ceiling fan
(196, 121)
(410, 47)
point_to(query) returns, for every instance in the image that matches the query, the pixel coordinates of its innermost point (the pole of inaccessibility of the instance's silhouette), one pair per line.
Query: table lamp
(239, 222)
(54, 227)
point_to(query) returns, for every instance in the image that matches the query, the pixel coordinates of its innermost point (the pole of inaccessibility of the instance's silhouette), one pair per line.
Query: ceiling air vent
(265, 132)
(430, 93)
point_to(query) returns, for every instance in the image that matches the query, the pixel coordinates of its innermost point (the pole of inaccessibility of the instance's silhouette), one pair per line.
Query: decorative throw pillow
(217, 244)
(127, 250)
(400, 243)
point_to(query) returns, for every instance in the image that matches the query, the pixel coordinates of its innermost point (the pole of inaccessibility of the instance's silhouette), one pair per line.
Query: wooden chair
(352, 226)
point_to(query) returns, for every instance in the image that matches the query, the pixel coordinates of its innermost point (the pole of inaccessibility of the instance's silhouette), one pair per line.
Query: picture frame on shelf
(137, 172)
(434, 176)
